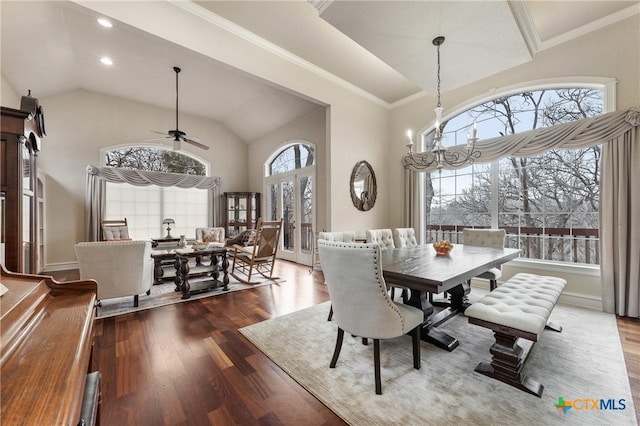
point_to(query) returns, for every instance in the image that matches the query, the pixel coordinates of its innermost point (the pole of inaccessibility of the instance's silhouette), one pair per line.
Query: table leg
(158, 272)
(184, 275)
(428, 332)
(225, 272)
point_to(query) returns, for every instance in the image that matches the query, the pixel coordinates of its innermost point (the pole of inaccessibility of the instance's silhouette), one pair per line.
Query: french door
(290, 197)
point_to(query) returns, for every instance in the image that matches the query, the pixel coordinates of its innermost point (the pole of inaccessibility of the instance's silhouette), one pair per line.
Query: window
(145, 207)
(549, 204)
(291, 158)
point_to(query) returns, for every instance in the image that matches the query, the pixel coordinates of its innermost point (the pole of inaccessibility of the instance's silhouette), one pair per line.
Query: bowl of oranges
(442, 247)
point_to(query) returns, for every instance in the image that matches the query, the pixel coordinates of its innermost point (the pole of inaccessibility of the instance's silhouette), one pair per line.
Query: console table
(218, 262)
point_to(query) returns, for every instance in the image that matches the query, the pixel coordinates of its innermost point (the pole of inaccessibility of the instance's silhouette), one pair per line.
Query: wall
(79, 123)
(590, 55)
(309, 128)
(8, 96)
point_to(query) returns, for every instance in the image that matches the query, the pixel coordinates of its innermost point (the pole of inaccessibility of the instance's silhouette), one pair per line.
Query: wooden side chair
(261, 256)
(114, 230)
(361, 303)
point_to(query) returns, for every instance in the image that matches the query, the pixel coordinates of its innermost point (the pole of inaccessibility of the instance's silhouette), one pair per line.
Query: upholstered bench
(517, 312)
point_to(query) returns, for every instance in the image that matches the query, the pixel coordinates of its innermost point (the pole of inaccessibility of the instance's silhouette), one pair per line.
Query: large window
(549, 204)
(145, 207)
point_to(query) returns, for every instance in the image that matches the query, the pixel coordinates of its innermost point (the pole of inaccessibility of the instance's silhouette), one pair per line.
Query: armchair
(361, 303)
(214, 236)
(121, 268)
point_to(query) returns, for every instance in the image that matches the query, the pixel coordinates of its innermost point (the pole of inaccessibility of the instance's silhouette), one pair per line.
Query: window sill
(547, 266)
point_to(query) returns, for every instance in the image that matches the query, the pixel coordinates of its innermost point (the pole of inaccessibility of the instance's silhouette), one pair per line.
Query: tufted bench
(517, 312)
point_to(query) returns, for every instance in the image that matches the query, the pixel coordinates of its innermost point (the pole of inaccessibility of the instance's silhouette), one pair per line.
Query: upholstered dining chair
(260, 257)
(361, 303)
(486, 238)
(121, 268)
(384, 238)
(404, 237)
(344, 237)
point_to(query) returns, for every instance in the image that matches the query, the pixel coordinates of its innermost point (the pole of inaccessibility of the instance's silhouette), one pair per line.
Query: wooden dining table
(424, 272)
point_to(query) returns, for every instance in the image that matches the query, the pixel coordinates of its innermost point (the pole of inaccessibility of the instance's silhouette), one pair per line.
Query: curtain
(96, 184)
(620, 225)
(411, 204)
(576, 134)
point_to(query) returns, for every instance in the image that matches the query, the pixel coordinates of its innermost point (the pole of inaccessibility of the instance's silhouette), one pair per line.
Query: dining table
(426, 273)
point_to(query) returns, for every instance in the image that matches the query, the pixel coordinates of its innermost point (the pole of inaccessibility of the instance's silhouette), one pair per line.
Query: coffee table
(184, 272)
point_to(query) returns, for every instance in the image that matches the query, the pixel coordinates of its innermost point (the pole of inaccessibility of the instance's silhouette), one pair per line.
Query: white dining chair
(361, 303)
(404, 237)
(486, 238)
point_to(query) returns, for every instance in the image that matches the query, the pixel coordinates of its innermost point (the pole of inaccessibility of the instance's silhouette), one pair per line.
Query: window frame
(604, 84)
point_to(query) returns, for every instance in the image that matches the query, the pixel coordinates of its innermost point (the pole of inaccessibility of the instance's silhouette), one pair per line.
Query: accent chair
(362, 306)
(261, 256)
(121, 268)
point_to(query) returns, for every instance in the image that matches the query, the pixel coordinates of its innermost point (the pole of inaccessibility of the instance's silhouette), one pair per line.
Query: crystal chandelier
(440, 156)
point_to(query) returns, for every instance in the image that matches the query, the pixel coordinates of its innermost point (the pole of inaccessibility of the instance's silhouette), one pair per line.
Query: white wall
(8, 96)
(80, 123)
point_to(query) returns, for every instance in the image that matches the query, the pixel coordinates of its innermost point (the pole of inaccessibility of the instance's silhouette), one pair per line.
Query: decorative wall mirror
(363, 186)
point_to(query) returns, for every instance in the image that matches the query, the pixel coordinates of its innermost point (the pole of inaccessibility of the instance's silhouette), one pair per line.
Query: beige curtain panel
(96, 184)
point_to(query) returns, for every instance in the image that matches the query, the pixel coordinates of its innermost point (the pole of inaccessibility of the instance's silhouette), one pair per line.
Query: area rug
(583, 365)
(165, 294)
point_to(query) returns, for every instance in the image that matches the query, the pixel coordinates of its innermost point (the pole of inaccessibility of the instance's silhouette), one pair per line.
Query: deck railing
(574, 245)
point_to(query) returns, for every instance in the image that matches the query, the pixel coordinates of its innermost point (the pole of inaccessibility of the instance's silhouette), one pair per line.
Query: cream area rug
(165, 294)
(582, 364)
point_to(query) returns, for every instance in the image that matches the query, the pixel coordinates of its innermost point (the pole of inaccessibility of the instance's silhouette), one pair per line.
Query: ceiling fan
(178, 135)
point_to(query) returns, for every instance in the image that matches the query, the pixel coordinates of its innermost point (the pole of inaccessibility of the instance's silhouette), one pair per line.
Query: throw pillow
(211, 235)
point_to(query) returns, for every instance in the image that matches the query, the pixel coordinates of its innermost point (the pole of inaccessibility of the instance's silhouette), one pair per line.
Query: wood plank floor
(187, 364)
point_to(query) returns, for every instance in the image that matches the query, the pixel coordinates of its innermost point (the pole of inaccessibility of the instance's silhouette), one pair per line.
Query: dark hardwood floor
(187, 364)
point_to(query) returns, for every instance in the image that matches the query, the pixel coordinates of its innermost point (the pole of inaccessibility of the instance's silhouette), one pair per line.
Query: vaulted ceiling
(380, 49)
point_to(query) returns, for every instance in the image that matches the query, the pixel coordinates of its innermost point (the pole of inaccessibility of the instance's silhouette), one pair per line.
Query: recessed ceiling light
(105, 22)
(105, 60)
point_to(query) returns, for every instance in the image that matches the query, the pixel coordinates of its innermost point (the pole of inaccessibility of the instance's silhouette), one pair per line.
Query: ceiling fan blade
(160, 133)
(192, 142)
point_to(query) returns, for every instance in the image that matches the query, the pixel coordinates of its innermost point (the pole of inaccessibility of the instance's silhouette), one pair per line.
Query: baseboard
(50, 267)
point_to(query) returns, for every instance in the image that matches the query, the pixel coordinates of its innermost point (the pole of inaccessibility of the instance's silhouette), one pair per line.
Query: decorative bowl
(199, 245)
(442, 248)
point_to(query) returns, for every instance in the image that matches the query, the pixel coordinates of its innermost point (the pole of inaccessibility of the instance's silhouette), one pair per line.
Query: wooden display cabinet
(242, 211)
(20, 199)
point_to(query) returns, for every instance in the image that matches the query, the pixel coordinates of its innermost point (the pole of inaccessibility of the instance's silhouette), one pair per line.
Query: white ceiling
(382, 49)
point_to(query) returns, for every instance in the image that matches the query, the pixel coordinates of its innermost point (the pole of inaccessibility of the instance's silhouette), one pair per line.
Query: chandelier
(440, 156)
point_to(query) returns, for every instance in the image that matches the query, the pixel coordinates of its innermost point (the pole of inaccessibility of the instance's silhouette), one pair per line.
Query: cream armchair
(121, 268)
(213, 236)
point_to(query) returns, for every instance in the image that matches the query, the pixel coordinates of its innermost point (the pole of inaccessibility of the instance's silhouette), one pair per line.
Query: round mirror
(363, 186)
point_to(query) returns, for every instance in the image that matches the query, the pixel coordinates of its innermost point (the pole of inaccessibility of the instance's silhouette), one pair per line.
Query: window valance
(576, 134)
(145, 178)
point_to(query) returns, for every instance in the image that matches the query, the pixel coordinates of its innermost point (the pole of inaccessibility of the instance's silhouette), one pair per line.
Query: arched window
(145, 207)
(293, 157)
(549, 203)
